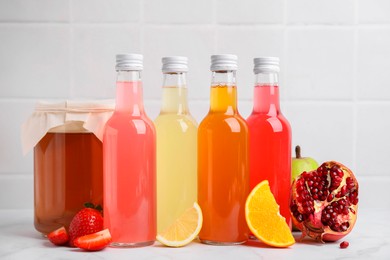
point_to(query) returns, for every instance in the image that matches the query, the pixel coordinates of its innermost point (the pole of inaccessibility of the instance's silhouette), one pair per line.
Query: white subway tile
(196, 43)
(373, 139)
(319, 64)
(250, 11)
(95, 47)
(245, 107)
(34, 10)
(178, 11)
(105, 10)
(373, 59)
(12, 115)
(152, 108)
(17, 192)
(371, 190)
(199, 109)
(374, 11)
(321, 11)
(249, 43)
(34, 60)
(323, 130)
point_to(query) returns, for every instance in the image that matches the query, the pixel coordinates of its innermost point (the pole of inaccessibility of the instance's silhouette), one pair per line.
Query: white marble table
(369, 240)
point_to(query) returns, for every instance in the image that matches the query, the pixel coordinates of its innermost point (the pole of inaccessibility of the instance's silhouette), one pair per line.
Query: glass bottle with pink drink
(270, 135)
(129, 161)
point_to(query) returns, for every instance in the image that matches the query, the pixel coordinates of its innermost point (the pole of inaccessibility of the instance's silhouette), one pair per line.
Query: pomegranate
(324, 202)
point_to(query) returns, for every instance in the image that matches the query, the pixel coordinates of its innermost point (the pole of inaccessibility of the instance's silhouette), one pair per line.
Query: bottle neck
(174, 98)
(266, 94)
(223, 95)
(129, 97)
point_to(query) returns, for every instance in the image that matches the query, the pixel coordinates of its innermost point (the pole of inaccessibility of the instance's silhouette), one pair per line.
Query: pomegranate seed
(344, 244)
(330, 197)
(350, 185)
(343, 190)
(294, 207)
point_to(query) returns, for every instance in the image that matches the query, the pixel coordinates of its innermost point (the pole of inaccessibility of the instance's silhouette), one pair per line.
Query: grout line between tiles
(141, 25)
(71, 51)
(355, 89)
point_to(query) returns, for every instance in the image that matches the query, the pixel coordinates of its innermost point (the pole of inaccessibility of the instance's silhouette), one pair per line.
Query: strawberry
(85, 222)
(59, 236)
(94, 242)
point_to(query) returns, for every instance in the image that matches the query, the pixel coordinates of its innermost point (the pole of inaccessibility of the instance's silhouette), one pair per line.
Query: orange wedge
(184, 229)
(263, 217)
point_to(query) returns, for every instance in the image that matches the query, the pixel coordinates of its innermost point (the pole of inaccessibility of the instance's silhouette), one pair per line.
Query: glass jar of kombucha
(68, 159)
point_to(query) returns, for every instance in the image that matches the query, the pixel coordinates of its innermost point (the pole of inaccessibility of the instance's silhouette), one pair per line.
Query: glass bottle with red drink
(129, 161)
(270, 135)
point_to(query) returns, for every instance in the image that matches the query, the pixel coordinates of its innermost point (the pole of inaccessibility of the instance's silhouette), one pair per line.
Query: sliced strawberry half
(59, 236)
(94, 242)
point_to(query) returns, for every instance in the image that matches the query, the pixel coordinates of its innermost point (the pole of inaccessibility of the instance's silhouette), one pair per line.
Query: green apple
(301, 164)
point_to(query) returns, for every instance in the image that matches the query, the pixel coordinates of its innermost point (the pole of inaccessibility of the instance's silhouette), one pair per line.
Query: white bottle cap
(266, 64)
(174, 64)
(223, 62)
(129, 62)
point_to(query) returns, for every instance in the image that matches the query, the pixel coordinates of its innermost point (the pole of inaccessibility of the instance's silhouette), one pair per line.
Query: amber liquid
(223, 170)
(68, 172)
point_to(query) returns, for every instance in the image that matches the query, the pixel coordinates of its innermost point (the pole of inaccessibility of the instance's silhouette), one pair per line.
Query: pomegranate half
(324, 202)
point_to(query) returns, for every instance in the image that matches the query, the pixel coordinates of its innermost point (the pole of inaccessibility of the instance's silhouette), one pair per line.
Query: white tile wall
(319, 63)
(373, 139)
(321, 11)
(197, 43)
(373, 62)
(250, 11)
(16, 191)
(328, 139)
(335, 58)
(374, 11)
(178, 12)
(34, 60)
(12, 115)
(101, 11)
(94, 48)
(34, 11)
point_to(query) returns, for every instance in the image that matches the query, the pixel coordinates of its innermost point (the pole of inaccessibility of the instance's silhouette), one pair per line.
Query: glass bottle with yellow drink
(176, 146)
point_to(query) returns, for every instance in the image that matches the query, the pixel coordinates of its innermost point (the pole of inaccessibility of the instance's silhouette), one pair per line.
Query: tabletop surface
(370, 239)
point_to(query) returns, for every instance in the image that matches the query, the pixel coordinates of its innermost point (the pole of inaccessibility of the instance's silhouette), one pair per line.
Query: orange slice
(184, 229)
(263, 217)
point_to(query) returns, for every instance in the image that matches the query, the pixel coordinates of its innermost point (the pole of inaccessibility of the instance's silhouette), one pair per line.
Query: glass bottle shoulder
(181, 121)
(221, 121)
(142, 124)
(275, 122)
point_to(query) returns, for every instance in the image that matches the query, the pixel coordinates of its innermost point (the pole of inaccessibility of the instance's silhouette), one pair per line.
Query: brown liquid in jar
(68, 172)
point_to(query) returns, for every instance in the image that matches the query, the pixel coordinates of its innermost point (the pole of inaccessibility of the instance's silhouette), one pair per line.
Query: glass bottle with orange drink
(223, 166)
(270, 135)
(129, 162)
